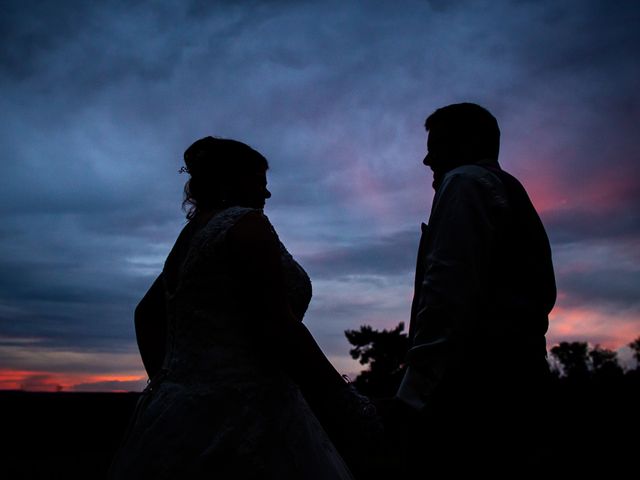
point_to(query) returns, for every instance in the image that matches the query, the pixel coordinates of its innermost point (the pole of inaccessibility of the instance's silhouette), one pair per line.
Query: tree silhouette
(384, 353)
(579, 362)
(604, 363)
(573, 359)
(635, 346)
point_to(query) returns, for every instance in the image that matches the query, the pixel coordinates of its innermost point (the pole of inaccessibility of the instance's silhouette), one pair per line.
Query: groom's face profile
(436, 157)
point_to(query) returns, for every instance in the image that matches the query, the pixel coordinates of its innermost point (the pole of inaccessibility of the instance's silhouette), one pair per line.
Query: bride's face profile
(254, 190)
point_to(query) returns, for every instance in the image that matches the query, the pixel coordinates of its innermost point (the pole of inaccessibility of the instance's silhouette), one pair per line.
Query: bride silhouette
(233, 370)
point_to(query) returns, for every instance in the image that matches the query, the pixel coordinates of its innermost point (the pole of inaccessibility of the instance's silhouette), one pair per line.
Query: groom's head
(460, 134)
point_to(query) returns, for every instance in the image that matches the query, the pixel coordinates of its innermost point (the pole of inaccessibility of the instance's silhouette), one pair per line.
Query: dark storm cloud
(387, 255)
(613, 287)
(599, 271)
(72, 285)
(100, 100)
(30, 29)
(580, 224)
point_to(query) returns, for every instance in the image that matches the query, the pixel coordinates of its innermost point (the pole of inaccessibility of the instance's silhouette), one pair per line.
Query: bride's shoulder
(238, 226)
(218, 223)
(252, 227)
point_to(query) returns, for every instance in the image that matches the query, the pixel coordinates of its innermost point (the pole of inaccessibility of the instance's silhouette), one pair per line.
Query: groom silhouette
(484, 287)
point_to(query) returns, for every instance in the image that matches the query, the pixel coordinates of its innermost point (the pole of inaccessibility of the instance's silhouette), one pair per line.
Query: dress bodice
(211, 333)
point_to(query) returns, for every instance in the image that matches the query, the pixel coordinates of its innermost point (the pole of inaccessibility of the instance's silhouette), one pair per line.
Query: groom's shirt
(484, 284)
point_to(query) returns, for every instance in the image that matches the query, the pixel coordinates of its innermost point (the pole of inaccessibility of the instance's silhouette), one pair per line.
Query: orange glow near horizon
(612, 330)
(43, 381)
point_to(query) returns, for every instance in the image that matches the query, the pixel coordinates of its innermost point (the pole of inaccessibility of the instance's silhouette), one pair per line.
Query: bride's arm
(255, 256)
(150, 320)
(349, 418)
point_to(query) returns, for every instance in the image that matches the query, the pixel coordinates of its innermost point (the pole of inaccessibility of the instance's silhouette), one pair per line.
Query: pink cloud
(612, 330)
(598, 192)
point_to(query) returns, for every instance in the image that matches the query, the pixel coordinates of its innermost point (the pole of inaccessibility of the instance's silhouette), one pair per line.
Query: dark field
(595, 428)
(61, 435)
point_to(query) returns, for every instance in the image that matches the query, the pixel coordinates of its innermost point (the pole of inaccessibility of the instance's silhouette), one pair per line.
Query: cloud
(55, 381)
(111, 386)
(387, 255)
(40, 356)
(599, 272)
(602, 287)
(41, 382)
(100, 101)
(609, 327)
(350, 301)
(568, 226)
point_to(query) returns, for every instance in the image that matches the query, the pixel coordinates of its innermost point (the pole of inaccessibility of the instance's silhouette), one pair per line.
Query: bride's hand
(354, 426)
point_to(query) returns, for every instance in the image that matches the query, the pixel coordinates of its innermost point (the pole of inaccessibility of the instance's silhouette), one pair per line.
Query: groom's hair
(467, 128)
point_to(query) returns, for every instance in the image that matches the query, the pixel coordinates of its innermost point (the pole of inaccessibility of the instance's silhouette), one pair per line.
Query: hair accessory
(183, 170)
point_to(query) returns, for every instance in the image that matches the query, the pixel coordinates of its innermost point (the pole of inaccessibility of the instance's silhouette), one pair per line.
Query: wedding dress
(220, 407)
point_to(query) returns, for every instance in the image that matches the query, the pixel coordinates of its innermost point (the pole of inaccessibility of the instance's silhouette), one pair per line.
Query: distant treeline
(592, 402)
(383, 352)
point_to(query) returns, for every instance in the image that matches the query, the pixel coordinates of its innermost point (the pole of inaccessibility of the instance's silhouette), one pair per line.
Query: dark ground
(61, 435)
(596, 428)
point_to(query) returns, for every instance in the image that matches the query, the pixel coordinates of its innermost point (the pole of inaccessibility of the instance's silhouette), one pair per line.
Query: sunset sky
(100, 99)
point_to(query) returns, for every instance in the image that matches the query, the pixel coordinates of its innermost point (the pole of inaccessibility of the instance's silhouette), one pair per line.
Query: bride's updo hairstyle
(217, 168)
